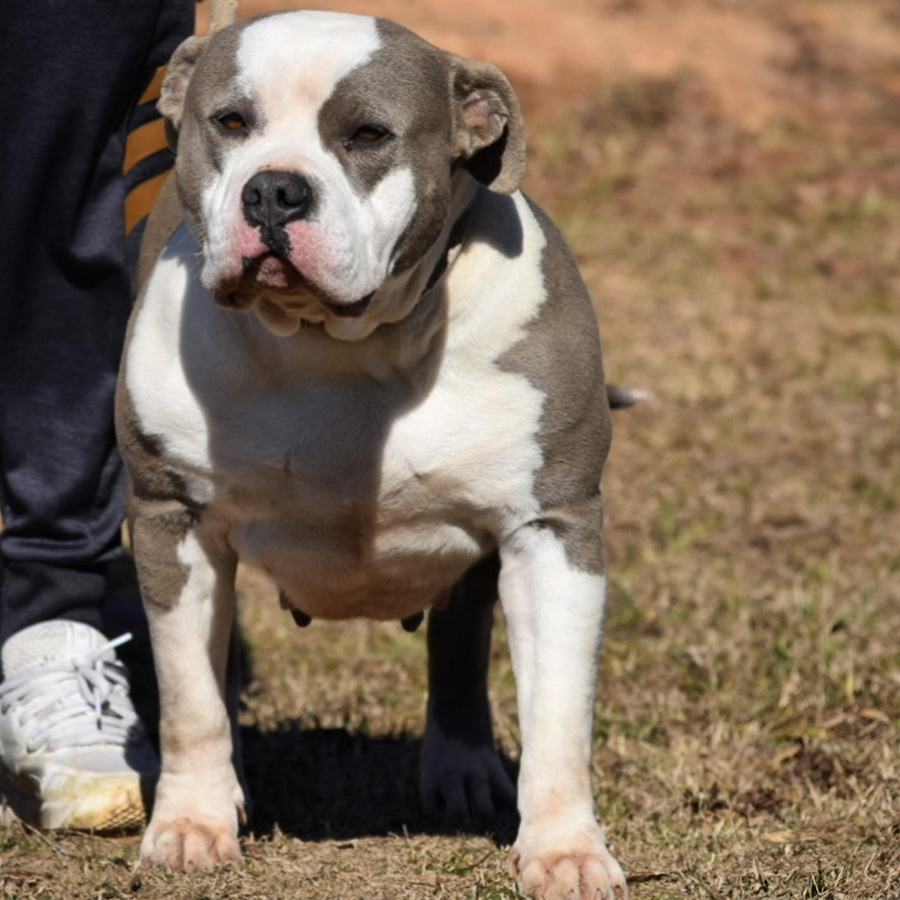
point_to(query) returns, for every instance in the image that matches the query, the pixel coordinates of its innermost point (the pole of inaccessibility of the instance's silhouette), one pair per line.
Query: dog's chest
(357, 506)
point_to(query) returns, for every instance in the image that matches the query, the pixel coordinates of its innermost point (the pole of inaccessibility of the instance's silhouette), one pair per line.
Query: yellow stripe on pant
(142, 142)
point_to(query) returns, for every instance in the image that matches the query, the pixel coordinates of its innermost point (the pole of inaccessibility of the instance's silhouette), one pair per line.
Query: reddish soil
(743, 56)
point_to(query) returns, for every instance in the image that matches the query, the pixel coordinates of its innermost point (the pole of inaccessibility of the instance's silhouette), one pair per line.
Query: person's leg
(71, 75)
(73, 752)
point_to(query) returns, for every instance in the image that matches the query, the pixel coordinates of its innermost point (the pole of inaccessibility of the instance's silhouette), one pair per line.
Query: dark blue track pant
(71, 72)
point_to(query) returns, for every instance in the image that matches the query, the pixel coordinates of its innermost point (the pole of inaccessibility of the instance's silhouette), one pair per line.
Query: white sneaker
(73, 752)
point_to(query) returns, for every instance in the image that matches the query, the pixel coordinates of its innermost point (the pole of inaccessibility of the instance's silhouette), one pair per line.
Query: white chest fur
(361, 491)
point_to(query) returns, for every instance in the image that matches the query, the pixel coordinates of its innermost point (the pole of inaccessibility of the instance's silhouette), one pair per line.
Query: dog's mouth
(267, 274)
(273, 272)
(273, 276)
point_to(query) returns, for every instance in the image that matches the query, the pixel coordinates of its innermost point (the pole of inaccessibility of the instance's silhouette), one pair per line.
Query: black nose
(272, 199)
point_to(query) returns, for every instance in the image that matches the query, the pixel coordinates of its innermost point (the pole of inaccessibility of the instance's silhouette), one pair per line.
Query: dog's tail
(622, 397)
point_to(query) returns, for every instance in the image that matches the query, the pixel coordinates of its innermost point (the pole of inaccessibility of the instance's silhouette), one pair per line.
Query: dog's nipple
(301, 618)
(412, 623)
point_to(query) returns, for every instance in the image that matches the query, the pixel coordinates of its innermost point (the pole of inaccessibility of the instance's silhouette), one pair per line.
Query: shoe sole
(113, 803)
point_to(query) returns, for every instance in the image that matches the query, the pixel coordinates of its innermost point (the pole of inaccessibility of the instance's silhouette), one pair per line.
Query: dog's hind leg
(461, 773)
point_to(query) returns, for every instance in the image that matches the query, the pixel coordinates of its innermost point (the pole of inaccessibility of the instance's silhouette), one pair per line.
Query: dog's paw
(195, 821)
(463, 782)
(587, 872)
(190, 845)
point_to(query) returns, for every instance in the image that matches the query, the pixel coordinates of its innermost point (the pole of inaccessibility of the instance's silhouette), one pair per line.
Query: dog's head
(317, 155)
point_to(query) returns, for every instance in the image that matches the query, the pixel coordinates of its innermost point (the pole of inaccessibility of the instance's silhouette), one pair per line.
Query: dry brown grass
(747, 722)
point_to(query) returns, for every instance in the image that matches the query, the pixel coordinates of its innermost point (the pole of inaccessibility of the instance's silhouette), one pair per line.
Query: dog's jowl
(364, 362)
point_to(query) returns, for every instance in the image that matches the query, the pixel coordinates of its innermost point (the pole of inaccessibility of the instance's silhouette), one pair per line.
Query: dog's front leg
(554, 616)
(198, 797)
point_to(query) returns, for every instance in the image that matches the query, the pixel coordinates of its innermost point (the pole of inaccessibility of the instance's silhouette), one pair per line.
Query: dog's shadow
(318, 783)
(335, 784)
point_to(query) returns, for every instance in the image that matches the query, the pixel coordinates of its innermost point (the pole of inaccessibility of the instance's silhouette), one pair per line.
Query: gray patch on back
(560, 356)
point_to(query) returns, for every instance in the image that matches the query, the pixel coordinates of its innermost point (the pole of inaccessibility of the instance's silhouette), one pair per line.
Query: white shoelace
(82, 701)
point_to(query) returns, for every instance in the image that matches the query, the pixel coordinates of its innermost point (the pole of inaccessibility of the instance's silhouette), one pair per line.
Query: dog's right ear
(175, 84)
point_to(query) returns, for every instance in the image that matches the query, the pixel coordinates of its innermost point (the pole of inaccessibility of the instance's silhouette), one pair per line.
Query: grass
(747, 719)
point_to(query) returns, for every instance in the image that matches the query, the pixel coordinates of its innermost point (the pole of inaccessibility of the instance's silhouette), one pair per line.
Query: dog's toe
(190, 846)
(464, 783)
(584, 874)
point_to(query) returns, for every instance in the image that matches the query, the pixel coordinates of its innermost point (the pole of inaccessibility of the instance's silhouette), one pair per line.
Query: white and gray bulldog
(365, 363)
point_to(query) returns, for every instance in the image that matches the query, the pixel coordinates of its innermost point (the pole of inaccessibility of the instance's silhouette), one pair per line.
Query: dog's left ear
(489, 133)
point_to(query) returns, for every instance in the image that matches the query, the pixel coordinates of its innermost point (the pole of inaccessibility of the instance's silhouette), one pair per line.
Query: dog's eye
(367, 136)
(232, 122)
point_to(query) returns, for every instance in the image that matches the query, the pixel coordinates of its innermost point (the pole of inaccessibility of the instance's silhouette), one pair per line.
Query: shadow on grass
(330, 783)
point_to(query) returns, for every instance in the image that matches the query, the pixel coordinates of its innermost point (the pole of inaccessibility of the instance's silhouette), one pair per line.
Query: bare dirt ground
(727, 173)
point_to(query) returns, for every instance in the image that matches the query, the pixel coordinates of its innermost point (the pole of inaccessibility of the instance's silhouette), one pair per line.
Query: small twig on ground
(641, 877)
(53, 845)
